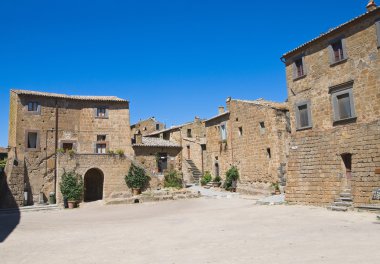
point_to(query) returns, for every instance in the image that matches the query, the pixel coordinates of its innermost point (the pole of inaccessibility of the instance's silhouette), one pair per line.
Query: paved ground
(193, 231)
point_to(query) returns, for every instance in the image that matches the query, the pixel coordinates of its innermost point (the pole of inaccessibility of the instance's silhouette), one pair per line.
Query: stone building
(191, 137)
(252, 135)
(147, 126)
(82, 128)
(334, 97)
(3, 153)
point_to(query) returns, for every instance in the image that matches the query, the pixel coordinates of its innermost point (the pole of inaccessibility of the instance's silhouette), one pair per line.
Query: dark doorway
(93, 185)
(347, 165)
(217, 172)
(188, 153)
(162, 162)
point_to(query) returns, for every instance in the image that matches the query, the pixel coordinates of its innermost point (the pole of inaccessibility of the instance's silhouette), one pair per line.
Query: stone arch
(93, 185)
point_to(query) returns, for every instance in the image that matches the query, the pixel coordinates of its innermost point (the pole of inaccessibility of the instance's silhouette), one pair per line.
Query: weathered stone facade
(146, 127)
(256, 141)
(50, 122)
(329, 151)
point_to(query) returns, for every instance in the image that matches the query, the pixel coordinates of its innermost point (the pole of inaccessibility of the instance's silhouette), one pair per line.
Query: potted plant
(206, 178)
(276, 187)
(136, 179)
(217, 182)
(71, 186)
(232, 176)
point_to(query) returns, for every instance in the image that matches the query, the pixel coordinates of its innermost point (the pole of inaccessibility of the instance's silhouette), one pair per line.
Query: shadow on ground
(9, 213)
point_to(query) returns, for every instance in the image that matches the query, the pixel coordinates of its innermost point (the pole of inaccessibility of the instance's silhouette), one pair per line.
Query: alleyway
(193, 231)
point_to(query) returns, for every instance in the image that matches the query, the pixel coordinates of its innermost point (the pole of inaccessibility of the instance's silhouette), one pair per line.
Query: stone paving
(200, 230)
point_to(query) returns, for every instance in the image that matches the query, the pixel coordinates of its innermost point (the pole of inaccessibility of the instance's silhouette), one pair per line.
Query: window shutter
(378, 33)
(304, 66)
(331, 54)
(107, 112)
(353, 114)
(94, 147)
(344, 47)
(95, 112)
(294, 71)
(335, 108)
(39, 108)
(309, 114)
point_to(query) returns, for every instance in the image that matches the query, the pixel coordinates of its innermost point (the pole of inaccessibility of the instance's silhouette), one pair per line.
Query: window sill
(33, 113)
(345, 121)
(338, 62)
(101, 117)
(299, 78)
(32, 149)
(304, 128)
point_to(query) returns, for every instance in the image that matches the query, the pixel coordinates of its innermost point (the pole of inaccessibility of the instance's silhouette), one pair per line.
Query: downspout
(56, 147)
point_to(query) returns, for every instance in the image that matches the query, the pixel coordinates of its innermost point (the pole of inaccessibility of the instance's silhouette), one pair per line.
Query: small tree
(71, 186)
(232, 175)
(206, 178)
(173, 179)
(137, 178)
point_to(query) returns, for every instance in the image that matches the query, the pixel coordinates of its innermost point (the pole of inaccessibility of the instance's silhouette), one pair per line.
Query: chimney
(197, 119)
(138, 138)
(371, 6)
(221, 109)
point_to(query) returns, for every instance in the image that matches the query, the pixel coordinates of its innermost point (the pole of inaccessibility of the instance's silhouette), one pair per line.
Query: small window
(102, 112)
(269, 154)
(303, 115)
(262, 127)
(223, 132)
(157, 126)
(299, 68)
(337, 51)
(240, 131)
(33, 107)
(101, 148)
(101, 138)
(378, 33)
(343, 104)
(32, 140)
(189, 134)
(67, 146)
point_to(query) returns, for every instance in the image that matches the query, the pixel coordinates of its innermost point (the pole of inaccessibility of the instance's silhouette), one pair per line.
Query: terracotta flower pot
(72, 204)
(136, 191)
(216, 184)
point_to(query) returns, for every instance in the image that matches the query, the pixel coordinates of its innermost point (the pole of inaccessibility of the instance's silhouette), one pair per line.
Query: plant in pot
(232, 176)
(276, 187)
(71, 186)
(136, 179)
(217, 182)
(207, 178)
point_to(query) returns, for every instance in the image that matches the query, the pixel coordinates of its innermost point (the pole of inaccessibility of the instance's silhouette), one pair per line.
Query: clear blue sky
(172, 59)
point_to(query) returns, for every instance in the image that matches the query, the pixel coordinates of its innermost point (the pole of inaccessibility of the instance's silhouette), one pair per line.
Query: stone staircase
(343, 203)
(195, 172)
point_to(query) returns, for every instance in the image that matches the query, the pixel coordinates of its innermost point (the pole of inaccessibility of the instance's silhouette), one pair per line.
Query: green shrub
(71, 186)
(3, 163)
(232, 175)
(173, 179)
(137, 178)
(206, 178)
(119, 152)
(60, 151)
(217, 179)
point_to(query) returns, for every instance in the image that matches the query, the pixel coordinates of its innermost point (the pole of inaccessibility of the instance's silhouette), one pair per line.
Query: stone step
(34, 208)
(345, 194)
(338, 208)
(346, 199)
(342, 204)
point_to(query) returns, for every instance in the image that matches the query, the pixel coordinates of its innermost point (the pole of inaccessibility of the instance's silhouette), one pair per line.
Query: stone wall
(147, 126)
(315, 163)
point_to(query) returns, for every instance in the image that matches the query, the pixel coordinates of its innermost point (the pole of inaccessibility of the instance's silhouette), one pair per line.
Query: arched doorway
(93, 185)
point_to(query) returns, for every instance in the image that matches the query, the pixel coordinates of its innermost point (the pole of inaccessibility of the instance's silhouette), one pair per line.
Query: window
(240, 131)
(157, 126)
(269, 154)
(343, 104)
(337, 51)
(299, 69)
(101, 148)
(33, 106)
(67, 146)
(32, 140)
(303, 115)
(100, 138)
(378, 33)
(189, 135)
(101, 112)
(262, 127)
(223, 132)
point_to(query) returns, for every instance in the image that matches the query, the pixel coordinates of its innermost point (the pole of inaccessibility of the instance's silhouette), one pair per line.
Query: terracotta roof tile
(157, 142)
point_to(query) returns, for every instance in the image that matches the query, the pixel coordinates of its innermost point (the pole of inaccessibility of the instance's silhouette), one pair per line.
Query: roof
(262, 102)
(72, 97)
(220, 115)
(169, 129)
(3, 150)
(144, 120)
(332, 31)
(157, 142)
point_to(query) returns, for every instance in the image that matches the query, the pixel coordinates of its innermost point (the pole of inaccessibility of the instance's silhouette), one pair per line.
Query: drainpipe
(56, 147)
